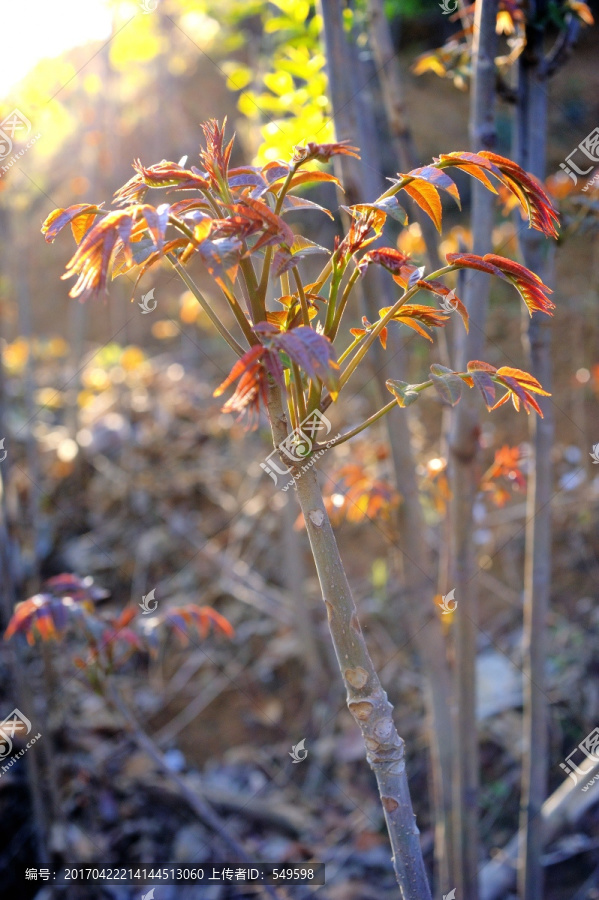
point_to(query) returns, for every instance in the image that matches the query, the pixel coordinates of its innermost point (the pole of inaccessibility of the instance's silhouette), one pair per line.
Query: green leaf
(447, 384)
(403, 392)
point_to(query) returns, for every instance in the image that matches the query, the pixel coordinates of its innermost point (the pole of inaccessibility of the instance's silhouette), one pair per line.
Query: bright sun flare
(37, 29)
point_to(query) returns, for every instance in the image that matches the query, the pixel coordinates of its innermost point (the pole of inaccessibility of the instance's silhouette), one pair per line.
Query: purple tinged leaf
(313, 352)
(484, 383)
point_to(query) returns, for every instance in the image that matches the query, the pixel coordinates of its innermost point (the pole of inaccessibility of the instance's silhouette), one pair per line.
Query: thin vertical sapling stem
(366, 699)
(464, 471)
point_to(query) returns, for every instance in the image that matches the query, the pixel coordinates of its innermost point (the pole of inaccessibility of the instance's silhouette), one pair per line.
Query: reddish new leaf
(360, 332)
(324, 152)
(185, 619)
(313, 352)
(531, 288)
(541, 213)
(162, 175)
(388, 257)
(80, 217)
(217, 155)
(412, 313)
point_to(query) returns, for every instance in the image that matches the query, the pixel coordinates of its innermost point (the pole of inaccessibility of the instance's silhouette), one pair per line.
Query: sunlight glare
(36, 29)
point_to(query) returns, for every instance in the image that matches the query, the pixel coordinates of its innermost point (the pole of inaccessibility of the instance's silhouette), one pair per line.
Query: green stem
(302, 296)
(298, 392)
(319, 283)
(205, 305)
(351, 347)
(335, 284)
(373, 335)
(227, 289)
(251, 282)
(350, 434)
(263, 286)
(343, 302)
(291, 405)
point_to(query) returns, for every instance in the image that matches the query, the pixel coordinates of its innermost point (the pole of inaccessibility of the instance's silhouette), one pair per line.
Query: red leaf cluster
(531, 288)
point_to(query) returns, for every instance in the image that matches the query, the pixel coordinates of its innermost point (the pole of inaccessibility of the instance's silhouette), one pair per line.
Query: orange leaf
(427, 198)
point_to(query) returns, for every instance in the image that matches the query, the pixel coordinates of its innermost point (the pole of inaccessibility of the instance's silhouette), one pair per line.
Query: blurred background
(120, 467)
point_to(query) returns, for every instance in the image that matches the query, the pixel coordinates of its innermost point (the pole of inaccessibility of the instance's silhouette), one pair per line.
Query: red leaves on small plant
(359, 495)
(531, 288)
(44, 616)
(66, 605)
(505, 466)
(66, 598)
(323, 152)
(183, 619)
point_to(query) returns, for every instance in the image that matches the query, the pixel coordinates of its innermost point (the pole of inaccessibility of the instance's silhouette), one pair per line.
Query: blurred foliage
(286, 82)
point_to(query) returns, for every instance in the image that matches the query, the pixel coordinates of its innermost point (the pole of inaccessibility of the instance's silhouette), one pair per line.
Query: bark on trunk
(363, 180)
(366, 699)
(464, 470)
(537, 253)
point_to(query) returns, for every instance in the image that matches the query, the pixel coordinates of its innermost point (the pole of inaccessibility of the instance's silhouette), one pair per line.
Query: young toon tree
(233, 220)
